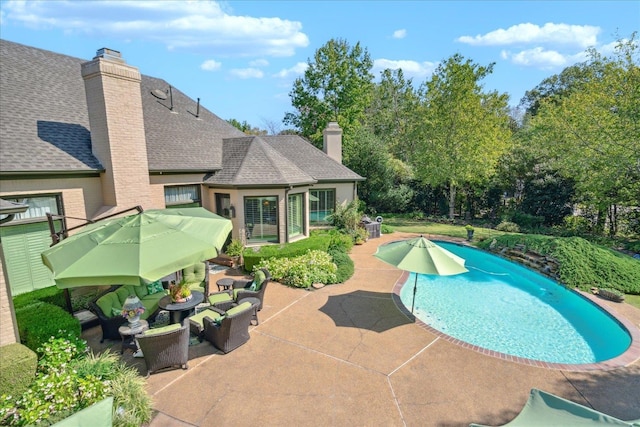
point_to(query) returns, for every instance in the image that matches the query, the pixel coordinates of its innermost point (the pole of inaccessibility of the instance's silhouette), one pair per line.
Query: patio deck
(346, 355)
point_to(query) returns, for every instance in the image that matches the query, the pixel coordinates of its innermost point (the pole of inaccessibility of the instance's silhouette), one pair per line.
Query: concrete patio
(347, 355)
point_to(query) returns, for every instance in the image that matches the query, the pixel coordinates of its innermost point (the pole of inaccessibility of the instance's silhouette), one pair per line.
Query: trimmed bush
(40, 321)
(302, 271)
(317, 241)
(508, 227)
(51, 295)
(18, 371)
(344, 264)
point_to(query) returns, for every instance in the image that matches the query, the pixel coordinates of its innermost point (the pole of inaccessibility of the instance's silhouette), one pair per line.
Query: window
(295, 215)
(261, 219)
(39, 207)
(321, 203)
(184, 196)
(223, 205)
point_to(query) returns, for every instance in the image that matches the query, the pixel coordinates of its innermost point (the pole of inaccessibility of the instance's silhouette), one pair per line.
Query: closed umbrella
(137, 248)
(420, 256)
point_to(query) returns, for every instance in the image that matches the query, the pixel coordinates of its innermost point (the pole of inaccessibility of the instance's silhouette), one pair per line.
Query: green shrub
(69, 380)
(40, 321)
(17, 368)
(385, 229)
(508, 227)
(581, 263)
(302, 271)
(318, 241)
(51, 295)
(344, 263)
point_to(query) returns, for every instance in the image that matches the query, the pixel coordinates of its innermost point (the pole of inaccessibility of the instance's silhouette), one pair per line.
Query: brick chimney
(332, 141)
(118, 139)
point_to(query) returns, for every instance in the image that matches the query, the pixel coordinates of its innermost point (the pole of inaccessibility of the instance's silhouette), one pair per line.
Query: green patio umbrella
(420, 255)
(139, 248)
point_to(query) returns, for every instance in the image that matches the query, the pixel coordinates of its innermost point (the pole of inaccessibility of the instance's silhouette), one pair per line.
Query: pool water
(502, 306)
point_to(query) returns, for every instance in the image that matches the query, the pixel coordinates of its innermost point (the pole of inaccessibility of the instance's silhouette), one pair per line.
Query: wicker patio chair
(165, 347)
(242, 290)
(233, 330)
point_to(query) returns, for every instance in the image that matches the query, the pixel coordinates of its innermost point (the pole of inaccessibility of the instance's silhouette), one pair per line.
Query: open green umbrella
(137, 248)
(420, 256)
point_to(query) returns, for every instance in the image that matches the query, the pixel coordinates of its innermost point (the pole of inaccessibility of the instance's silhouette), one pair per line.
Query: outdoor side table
(180, 310)
(224, 284)
(127, 333)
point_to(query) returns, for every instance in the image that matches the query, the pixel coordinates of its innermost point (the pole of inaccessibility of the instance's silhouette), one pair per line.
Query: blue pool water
(502, 306)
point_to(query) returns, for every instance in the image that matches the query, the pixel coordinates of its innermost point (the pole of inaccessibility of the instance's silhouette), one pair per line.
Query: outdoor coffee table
(127, 333)
(225, 284)
(180, 310)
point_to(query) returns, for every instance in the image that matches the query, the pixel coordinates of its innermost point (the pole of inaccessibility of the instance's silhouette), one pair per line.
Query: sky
(242, 57)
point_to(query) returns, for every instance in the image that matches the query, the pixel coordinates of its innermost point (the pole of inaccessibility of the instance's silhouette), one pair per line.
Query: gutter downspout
(286, 213)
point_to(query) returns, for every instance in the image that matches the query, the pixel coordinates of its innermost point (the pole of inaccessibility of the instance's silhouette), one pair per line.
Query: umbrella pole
(415, 287)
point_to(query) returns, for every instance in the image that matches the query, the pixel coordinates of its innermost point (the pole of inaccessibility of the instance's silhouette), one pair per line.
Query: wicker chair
(241, 291)
(165, 347)
(233, 330)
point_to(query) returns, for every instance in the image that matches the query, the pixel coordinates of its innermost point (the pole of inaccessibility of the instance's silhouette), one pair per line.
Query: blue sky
(241, 57)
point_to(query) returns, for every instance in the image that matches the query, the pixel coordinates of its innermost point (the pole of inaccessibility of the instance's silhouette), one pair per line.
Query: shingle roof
(313, 161)
(44, 124)
(251, 162)
(44, 127)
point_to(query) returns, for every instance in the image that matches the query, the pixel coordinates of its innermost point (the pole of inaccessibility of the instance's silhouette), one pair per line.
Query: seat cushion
(109, 302)
(123, 292)
(197, 318)
(194, 273)
(259, 279)
(219, 297)
(168, 328)
(238, 308)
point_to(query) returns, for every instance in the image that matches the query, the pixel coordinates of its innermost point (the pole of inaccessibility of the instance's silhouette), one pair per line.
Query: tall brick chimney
(332, 141)
(117, 130)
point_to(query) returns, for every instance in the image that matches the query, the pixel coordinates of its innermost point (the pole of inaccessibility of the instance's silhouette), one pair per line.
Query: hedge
(18, 371)
(40, 321)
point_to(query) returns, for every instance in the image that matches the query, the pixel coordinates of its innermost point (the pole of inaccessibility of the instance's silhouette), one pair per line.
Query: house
(86, 139)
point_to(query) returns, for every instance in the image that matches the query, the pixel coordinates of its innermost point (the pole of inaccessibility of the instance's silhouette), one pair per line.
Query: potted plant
(180, 292)
(235, 250)
(469, 229)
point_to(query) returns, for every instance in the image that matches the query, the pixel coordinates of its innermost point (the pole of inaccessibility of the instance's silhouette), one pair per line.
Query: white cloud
(259, 63)
(581, 36)
(198, 25)
(247, 73)
(400, 34)
(211, 65)
(296, 70)
(541, 58)
(410, 69)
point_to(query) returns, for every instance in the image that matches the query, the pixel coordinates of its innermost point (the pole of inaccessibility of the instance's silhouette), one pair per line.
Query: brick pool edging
(631, 355)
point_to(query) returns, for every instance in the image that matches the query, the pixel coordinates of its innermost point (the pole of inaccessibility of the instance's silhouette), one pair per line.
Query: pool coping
(629, 356)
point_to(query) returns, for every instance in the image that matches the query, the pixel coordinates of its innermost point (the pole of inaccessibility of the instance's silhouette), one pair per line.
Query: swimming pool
(502, 306)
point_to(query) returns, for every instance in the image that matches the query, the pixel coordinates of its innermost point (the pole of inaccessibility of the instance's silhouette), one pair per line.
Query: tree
(335, 87)
(593, 131)
(391, 112)
(246, 127)
(462, 131)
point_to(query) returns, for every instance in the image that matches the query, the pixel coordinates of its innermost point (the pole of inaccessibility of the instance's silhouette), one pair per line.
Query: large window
(39, 207)
(261, 219)
(295, 215)
(183, 196)
(322, 202)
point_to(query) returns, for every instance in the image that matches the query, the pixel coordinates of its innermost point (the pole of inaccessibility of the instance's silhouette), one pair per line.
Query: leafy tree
(593, 131)
(462, 131)
(246, 127)
(335, 87)
(390, 114)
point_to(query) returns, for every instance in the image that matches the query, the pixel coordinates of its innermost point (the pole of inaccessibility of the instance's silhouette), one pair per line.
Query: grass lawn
(425, 227)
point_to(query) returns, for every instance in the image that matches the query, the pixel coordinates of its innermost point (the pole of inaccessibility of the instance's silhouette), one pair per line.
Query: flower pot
(181, 299)
(469, 235)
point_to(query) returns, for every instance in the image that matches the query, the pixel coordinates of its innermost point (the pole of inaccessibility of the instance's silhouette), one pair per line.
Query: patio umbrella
(420, 255)
(139, 248)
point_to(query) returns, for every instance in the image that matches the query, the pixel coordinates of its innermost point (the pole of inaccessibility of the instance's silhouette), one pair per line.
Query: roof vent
(160, 94)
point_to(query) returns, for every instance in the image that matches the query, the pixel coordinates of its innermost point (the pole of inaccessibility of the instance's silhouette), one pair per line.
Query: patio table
(181, 310)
